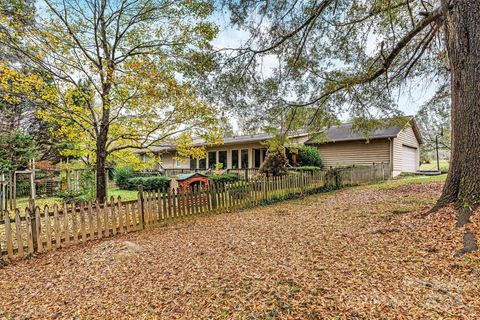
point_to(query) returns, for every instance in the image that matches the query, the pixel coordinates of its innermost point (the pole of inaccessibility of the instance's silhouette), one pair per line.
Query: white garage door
(409, 159)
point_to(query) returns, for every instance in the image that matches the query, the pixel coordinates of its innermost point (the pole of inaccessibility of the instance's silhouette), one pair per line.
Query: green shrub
(225, 177)
(307, 169)
(148, 183)
(309, 156)
(122, 175)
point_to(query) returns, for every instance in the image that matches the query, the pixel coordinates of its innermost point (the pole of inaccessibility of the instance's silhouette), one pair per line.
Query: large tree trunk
(101, 154)
(462, 29)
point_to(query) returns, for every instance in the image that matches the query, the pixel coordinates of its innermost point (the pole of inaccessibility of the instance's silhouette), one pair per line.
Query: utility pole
(436, 147)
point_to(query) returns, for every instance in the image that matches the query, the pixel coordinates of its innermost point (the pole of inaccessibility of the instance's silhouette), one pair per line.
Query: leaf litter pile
(359, 253)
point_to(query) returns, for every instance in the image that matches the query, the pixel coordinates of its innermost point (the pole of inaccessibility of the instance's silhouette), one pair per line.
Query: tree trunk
(462, 30)
(101, 154)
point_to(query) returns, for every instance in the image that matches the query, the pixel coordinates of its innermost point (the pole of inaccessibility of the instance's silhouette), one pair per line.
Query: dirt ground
(359, 253)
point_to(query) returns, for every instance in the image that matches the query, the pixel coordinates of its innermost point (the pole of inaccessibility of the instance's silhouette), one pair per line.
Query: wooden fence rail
(39, 230)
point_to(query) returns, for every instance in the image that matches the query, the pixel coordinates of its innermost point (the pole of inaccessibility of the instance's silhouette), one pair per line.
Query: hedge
(122, 175)
(148, 183)
(307, 169)
(225, 177)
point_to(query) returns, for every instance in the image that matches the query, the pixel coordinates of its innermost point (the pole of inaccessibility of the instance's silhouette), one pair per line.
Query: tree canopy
(330, 58)
(123, 72)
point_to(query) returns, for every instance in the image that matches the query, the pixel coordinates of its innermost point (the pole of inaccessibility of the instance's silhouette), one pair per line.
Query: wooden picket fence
(40, 230)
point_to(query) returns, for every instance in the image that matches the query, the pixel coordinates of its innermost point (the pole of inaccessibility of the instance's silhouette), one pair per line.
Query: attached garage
(399, 147)
(409, 159)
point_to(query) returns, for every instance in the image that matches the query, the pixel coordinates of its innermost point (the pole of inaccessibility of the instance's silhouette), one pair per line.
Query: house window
(178, 161)
(202, 164)
(222, 158)
(193, 163)
(212, 159)
(234, 159)
(257, 158)
(244, 154)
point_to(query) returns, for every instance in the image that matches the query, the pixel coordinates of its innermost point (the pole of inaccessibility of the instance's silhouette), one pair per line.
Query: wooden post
(13, 190)
(33, 224)
(2, 195)
(68, 178)
(32, 181)
(142, 206)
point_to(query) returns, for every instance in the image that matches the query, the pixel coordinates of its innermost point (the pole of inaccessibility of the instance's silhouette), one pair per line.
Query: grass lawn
(356, 253)
(444, 165)
(394, 183)
(124, 194)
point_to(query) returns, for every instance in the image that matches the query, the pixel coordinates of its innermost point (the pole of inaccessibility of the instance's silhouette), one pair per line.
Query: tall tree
(434, 121)
(122, 71)
(336, 56)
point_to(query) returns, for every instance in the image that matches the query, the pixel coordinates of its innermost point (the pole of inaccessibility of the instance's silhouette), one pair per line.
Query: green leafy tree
(434, 120)
(123, 73)
(16, 150)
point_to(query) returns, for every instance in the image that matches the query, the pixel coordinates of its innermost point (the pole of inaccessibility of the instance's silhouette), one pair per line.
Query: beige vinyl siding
(355, 152)
(169, 161)
(406, 137)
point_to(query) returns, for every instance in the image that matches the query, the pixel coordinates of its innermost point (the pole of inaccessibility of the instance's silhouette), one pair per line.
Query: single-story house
(340, 146)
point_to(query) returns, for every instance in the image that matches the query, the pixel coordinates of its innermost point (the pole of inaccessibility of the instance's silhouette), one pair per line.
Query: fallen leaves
(357, 253)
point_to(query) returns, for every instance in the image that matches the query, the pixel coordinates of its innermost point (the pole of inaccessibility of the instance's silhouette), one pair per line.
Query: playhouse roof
(186, 176)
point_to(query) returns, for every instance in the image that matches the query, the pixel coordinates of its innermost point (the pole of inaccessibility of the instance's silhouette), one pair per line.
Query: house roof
(248, 138)
(253, 138)
(345, 132)
(342, 132)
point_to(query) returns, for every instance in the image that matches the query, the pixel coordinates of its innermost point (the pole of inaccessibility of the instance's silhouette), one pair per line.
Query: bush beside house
(222, 178)
(310, 157)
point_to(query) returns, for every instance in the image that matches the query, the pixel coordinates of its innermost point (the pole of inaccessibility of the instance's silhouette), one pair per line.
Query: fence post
(142, 206)
(2, 195)
(302, 184)
(33, 224)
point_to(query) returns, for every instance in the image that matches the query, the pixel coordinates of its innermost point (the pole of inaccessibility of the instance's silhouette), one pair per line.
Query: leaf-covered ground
(359, 253)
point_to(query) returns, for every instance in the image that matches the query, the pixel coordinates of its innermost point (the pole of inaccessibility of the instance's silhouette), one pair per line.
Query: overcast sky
(409, 100)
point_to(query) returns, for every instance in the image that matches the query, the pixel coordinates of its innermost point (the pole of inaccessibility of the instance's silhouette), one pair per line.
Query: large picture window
(234, 159)
(202, 164)
(212, 159)
(222, 158)
(257, 159)
(193, 163)
(244, 163)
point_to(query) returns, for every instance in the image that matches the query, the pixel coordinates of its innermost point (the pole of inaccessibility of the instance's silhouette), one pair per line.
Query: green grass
(390, 184)
(124, 195)
(444, 164)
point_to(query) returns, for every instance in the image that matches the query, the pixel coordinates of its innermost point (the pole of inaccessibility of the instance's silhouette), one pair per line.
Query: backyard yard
(361, 252)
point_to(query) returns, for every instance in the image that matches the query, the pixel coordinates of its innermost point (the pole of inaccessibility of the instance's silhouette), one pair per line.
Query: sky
(409, 100)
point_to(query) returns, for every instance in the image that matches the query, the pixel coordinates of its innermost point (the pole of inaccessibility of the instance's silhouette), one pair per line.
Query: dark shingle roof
(345, 132)
(342, 132)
